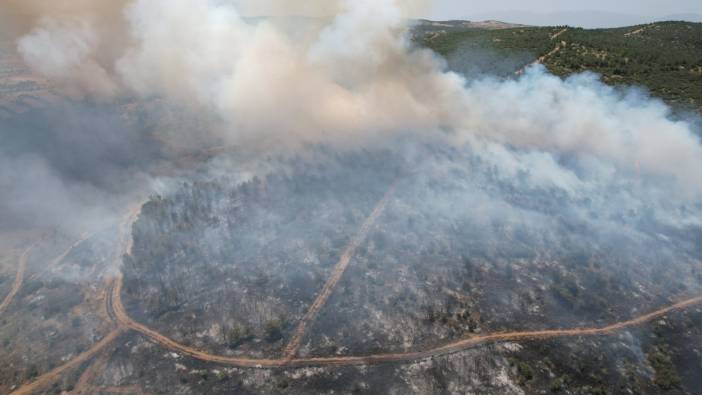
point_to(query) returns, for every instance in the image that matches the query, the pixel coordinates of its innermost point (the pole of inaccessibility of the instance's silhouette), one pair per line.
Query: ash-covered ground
(231, 267)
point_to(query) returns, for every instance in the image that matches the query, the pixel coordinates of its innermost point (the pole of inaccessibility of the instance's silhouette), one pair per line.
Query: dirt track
(337, 273)
(555, 36)
(640, 30)
(55, 374)
(543, 58)
(50, 377)
(22, 267)
(19, 279)
(114, 304)
(118, 315)
(54, 262)
(83, 386)
(449, 348)
(540, 60)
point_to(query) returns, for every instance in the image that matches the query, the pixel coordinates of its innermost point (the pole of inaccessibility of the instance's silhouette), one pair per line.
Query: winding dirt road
(338, 271)
(449, 348)
(118, 314)
(19, 279)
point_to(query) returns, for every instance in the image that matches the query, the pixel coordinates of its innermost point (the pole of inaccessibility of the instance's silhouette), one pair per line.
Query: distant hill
(460, 24)
(582, 18)
(664, 57)
(588, 19)
(427, 28)
(689, 17)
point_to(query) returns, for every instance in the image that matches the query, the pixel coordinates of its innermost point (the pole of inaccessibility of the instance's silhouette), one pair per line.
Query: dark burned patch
(655, 358)
(458, 251)
(673, 353)
(138, 362)
(213, 260)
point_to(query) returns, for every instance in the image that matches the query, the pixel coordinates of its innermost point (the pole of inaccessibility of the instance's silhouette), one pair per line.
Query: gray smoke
(72, 166)
(353, 80)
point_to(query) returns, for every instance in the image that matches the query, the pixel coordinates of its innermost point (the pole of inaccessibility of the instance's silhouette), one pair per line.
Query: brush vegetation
(665, 57)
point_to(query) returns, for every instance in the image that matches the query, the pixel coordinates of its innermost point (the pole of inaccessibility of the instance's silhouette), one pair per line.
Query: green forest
(664, 57)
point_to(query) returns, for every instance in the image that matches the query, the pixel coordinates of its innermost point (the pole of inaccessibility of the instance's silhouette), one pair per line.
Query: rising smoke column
(354, 81)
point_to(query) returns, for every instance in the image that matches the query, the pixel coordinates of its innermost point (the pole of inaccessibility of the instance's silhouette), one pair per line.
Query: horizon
(597, 13)
(587, 19)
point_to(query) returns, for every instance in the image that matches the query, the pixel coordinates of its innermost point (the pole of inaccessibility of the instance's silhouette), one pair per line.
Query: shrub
(274, 330)
(667, 377)
(557, 384)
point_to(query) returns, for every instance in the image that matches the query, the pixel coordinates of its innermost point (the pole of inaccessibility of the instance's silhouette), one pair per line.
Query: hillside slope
(665, 57)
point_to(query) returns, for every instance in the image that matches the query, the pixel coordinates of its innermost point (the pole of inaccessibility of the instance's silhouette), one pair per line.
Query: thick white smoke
(581, 115)
(353, 80)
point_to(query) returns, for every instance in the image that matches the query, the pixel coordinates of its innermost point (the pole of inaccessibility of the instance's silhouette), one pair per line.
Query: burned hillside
(266, 244)
(457, 251)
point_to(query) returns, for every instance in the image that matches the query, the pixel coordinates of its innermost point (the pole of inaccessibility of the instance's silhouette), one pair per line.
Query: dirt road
(124, 322)
(449, 348)
(84, 384)
(119, 314)
(337, 273)
(55, 374)
(19, 279)
(50, 377)
(22, 267)
(640, 30)
(555, 36)
(54, 262)
(542, 59)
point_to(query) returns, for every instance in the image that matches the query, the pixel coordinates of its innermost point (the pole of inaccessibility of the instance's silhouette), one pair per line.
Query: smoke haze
(273, 86)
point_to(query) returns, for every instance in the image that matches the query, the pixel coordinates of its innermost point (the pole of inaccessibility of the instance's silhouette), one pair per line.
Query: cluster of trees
(667, 376)
(664, 57)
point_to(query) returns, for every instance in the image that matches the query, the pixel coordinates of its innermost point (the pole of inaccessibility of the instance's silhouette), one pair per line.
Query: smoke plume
(348, 78)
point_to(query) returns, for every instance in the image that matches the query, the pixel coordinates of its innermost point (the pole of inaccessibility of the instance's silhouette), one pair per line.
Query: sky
(593, 13)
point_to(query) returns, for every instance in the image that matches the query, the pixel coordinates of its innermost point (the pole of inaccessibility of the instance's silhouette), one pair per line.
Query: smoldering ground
(355, 81)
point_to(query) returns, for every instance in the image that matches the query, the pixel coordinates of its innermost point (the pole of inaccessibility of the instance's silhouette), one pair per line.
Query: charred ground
(231, 270)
